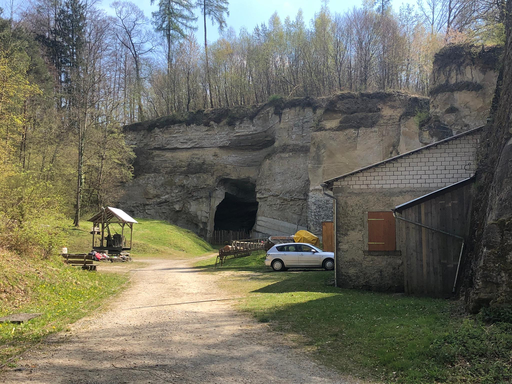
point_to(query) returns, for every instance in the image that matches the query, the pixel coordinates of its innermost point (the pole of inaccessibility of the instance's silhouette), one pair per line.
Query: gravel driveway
(172, 325)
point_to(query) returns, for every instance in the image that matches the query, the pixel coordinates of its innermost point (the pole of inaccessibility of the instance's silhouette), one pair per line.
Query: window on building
(381, 231)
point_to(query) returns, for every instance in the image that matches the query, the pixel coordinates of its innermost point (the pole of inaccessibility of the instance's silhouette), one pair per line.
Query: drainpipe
(335, 205)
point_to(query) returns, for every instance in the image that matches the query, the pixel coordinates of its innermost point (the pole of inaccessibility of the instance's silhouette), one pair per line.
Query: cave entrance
(237, 211)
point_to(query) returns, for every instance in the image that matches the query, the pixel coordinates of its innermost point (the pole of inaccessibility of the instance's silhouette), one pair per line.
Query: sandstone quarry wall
(277, 155)
(269, 161)
(464, 79)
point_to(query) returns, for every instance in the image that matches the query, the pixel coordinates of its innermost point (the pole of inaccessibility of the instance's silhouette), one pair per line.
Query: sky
(249, 13)
(242, 13)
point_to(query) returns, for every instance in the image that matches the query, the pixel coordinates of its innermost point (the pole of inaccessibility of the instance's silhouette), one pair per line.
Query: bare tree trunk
(206, 57)
(80, 171)
(169, 71)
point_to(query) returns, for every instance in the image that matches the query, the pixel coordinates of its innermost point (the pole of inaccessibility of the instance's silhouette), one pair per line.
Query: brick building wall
(435, 166)
(381, 187)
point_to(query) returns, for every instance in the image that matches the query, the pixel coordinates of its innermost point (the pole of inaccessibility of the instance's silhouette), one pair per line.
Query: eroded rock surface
(464, 80)
(273, 157)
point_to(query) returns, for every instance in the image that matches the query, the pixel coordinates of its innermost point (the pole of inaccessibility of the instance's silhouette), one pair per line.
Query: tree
(215, 10)
(70, 32)
(173, 19)
(130, 30)
(15, 91)
(434, 14)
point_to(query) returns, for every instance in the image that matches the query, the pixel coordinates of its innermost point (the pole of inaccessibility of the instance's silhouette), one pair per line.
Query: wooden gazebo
(108, 231)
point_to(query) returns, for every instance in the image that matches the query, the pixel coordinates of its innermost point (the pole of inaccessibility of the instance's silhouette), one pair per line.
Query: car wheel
(278, 265)
(328, 264)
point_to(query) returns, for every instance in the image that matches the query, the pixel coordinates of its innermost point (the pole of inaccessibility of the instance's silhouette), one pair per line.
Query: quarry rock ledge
(259, 168)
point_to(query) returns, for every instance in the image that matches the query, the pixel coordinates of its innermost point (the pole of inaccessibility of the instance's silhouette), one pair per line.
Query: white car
(298, 255)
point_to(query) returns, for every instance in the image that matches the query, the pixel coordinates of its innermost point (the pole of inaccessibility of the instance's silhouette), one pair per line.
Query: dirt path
(171, 326)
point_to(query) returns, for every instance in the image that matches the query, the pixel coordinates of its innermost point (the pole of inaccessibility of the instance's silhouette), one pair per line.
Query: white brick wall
(433, 167)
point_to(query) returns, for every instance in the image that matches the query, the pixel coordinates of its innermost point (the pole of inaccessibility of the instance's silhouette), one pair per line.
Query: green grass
(64, 294)
(151, 239)
(393, 338)
(253, 262)
(61, 294)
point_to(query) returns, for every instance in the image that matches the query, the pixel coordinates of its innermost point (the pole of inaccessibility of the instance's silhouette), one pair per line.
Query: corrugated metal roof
(110, 213)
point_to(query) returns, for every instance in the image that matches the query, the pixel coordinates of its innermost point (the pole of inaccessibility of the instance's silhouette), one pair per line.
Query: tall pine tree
(215, 10)
(70, 33)
(173, 19)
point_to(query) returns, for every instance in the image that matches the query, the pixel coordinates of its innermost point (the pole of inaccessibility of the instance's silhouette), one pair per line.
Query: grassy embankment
(384, 337)
(64, 294)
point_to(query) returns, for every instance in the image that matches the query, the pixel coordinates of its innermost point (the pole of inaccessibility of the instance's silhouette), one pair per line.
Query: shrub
(476, 351)
(498, 313)
(29, 215)
(421, 117)
(275, 98)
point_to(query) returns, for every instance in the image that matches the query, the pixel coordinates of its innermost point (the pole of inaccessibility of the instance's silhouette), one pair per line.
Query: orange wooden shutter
(328, 236)
(381, 231)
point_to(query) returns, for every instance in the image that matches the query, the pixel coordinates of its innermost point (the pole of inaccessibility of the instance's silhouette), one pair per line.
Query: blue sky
(249, 13)
(243, 13)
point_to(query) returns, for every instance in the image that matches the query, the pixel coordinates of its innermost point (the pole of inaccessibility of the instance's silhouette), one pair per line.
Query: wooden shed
(430, 234)
(109, 230)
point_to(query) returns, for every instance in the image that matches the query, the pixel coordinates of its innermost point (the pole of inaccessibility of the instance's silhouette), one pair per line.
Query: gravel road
(173, 325)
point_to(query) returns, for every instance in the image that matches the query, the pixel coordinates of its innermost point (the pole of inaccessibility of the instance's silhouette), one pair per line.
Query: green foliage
(475, 352)
(215, 10)
(15, 88)
(492, 34)
(421, 117)
(497, 313)
(275, 99)
(109, 169)
(29, 215)
(173, 18)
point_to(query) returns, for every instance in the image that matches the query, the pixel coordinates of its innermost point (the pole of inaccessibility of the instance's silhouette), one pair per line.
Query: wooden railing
(227, 237)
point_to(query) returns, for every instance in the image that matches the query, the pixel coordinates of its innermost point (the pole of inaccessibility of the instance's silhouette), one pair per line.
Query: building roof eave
(428, 196)
(328, 184)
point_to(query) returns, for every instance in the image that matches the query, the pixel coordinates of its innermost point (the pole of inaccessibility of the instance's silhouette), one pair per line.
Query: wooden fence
(252, 244)
(227, 237)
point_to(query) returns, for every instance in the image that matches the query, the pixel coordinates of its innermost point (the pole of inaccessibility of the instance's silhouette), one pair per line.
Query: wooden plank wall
(430, 257)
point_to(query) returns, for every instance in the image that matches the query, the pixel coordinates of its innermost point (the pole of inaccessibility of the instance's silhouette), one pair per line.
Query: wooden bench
(83, 260)
(235, 252)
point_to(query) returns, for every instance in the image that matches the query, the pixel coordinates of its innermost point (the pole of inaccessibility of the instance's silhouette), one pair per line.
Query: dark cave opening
(238, 209)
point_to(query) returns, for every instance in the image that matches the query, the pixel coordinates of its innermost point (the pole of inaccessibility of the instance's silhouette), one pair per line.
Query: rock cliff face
(260, 168)
(488, 259)
(464, 80)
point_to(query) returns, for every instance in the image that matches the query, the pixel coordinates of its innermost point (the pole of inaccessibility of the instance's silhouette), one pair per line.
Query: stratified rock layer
(488, 259)
(464, 80)
(277, 155)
